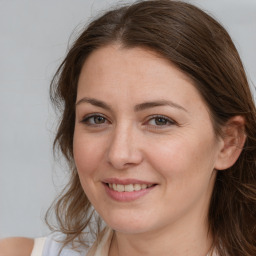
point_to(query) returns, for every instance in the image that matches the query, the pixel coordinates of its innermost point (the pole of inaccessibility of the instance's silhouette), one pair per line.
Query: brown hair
(201, 48)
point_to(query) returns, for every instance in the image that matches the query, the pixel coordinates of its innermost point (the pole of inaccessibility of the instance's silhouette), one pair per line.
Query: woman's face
(144, 144)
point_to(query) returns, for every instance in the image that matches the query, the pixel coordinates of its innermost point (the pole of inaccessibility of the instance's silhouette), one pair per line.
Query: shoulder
(16, 246)
(54, 245)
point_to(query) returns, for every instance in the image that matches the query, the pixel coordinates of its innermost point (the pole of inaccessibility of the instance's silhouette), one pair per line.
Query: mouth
(128, 187)
(127, 190)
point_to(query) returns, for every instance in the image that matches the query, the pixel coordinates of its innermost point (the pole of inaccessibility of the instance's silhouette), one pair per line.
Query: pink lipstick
(128, 189)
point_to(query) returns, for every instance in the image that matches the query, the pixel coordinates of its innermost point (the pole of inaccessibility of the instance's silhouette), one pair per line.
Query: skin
(16, 246)
(178, 153)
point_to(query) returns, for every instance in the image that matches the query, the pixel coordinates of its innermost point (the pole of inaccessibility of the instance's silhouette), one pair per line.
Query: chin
(128, 224)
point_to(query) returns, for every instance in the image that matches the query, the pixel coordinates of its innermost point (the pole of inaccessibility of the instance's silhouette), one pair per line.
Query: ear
(233, 139)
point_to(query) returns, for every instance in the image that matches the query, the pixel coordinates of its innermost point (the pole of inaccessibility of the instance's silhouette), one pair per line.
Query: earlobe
(233, 140)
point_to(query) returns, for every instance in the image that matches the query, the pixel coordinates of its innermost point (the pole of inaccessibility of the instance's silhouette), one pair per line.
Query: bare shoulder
(16, 246)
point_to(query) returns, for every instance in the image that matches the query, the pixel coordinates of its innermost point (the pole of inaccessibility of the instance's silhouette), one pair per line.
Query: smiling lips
(127, 190)
(128, 187)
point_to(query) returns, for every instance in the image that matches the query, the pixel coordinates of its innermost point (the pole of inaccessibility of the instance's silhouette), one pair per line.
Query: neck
(189, 240)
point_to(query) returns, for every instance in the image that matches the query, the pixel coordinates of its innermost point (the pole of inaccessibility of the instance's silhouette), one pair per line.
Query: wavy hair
(202, 49)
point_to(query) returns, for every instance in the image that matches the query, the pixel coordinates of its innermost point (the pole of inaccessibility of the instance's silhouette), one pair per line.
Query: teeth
(143, 186)
(120, 188)
(129, 187)
(137, 187)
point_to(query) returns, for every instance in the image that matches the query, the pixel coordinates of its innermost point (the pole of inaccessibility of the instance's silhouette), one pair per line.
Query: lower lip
(126, 196)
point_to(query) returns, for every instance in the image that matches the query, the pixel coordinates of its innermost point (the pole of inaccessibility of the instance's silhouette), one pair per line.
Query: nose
(124, 150)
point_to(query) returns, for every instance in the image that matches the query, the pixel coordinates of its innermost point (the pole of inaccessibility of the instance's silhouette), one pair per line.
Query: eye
(160, 121)
(94, 120)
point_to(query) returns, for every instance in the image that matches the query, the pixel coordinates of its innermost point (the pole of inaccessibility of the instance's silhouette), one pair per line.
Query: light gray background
(34, 36)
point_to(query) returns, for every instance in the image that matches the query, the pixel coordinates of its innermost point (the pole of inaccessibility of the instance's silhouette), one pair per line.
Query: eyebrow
(94, 102)
(137, 108)
(158, 103)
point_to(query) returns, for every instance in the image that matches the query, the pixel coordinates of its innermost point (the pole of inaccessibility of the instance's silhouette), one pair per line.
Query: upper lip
(126, 181)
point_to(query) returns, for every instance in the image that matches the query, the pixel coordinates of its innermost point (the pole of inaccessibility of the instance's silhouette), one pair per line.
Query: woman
(159, 130)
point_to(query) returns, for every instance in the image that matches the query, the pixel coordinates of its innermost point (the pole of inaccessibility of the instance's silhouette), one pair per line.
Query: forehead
(136, 74)
(113, 56)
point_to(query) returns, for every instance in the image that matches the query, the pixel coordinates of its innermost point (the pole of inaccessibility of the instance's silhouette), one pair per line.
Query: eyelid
(88, 116)
(170, 120)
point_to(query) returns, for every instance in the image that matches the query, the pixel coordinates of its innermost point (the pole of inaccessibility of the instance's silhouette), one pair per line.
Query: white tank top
(48, 246)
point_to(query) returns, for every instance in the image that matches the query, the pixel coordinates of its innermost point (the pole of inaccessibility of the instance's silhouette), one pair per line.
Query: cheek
(185, 168)
(183, 158)
(87, 154)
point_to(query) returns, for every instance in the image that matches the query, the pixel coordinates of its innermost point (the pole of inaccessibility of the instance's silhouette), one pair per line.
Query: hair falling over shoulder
(202, 49)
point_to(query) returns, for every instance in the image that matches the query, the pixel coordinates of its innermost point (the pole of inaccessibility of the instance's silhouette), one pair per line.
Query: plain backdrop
(34, 36)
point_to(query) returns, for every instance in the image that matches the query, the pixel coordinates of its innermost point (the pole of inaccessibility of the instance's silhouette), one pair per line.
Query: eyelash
(168, 121)
(86, 119)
